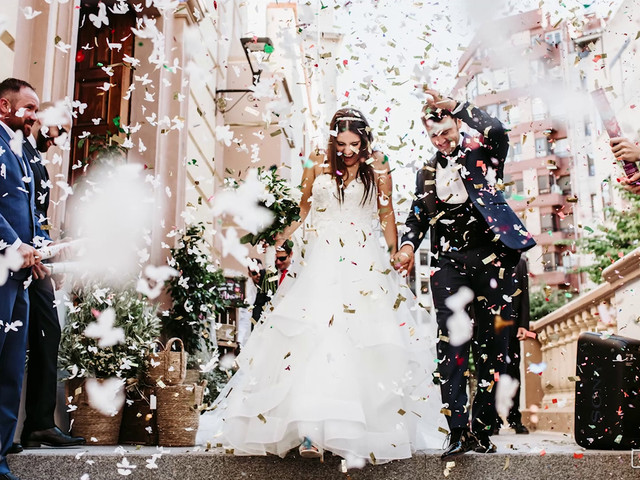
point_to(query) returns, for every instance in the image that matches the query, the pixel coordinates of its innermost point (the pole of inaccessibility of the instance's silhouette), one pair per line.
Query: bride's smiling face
(348, 146)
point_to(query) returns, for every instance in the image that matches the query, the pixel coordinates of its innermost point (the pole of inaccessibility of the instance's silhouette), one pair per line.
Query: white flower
(231, 246)
(103, 329)
(106, 395)
(224, 134)
(10, 261)
(124, 467)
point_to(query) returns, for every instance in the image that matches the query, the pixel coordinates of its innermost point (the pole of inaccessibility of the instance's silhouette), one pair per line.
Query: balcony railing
(611, 307)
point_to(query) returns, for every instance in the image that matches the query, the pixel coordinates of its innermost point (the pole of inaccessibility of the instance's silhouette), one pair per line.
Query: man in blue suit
(476, 241)
(19, 230)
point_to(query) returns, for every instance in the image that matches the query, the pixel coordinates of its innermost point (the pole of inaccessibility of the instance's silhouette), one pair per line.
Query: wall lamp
(254, 47)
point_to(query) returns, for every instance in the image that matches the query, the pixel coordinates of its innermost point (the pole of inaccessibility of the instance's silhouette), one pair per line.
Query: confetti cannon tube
(64, 267)
(52, 250)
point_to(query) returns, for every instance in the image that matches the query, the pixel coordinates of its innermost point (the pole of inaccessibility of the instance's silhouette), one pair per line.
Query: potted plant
(198, 293)
(105, 344)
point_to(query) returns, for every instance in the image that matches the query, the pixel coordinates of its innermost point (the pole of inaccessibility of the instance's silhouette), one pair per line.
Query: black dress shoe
(51, 437)
(484, 445)
(520, 428)
(459, 444)
(8, 476)
(15, 448)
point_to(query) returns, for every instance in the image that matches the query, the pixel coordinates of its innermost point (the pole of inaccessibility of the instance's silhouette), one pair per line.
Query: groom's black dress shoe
(15, 448)
(51, 437)
(484, 444)
(520, 428)
(8, 476)
(461, 441)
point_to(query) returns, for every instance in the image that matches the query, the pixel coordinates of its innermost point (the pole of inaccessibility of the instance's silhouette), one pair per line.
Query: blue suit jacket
(17, 209)
(477, 155)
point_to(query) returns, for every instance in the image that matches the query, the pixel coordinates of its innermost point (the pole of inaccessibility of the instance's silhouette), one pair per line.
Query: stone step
(531, 457)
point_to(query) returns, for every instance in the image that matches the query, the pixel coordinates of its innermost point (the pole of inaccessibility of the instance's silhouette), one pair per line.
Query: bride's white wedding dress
(341, 359)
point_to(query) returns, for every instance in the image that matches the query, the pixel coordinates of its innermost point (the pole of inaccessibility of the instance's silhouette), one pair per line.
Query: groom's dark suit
(44, 326)
(475, 244)
(17, 222)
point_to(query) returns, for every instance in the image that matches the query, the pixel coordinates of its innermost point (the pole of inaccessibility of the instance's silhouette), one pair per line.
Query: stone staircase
(536, 456)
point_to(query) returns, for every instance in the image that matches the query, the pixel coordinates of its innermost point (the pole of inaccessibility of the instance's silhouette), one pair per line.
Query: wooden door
(99, 61)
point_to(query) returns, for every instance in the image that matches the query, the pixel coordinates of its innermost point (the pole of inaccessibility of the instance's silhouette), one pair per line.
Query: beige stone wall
(8, 23)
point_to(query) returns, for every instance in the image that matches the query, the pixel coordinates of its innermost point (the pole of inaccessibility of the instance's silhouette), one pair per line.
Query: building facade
(533, 75)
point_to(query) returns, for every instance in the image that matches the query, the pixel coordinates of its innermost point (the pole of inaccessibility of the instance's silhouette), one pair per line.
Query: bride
(343, 362)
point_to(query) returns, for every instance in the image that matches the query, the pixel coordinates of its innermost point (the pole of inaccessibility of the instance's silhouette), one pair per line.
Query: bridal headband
(353, 119)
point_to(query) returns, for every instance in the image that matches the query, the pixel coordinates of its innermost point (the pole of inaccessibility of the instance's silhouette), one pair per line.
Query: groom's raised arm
(496, 139)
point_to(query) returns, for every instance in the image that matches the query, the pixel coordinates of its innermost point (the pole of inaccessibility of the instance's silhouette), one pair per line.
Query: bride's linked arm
(308, 176)
(385, 202)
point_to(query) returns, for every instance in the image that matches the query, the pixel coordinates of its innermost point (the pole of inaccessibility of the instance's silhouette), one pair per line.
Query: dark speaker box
(608, 393)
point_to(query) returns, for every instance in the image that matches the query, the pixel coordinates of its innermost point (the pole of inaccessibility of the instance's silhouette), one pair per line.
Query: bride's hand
(403, 259)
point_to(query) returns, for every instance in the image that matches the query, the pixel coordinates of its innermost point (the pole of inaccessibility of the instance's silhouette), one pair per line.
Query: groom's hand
(403, 259)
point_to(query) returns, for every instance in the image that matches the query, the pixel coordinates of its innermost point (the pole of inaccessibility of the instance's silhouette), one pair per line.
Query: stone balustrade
(613, 306)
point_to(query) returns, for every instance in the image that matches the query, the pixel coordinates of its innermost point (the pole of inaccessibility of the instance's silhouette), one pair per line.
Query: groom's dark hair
(435, 115)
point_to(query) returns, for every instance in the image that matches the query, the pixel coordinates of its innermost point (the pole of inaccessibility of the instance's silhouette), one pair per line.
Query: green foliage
(610, 243)
(545, 301)
(197, 293)
(81, 356)
(280, 199)
(216, 381)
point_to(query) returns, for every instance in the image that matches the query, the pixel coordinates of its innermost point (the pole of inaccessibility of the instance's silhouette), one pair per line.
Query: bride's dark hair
(352, 120)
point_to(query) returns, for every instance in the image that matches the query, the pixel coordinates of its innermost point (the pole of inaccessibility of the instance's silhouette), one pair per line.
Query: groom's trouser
(14, 313)
(492, 284)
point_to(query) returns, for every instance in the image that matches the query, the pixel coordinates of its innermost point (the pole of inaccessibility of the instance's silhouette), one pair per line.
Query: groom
(476, 241)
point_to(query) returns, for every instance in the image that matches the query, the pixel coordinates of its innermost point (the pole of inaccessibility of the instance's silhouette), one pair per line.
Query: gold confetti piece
(261, 418)
(436, 218)
(348, 310)
(500, 323)
(161, 384)
(506, 464)
(443, 338)
(401, 412)
(398, 302)
(287, 355)
(574, 379)
(331, 321)
(276, 133)
(490, 388)
(489, 259)
(501, 273)
(467, 373)
(373, 458)
(341, 242)
(325, 55)
(516, 293)
(445, 411)
(637, 35)
(443, 431)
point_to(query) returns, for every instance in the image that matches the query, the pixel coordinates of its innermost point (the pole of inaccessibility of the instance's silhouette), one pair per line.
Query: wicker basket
(167, 366)
(139, 421)
(86, 421)
(179, 414)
